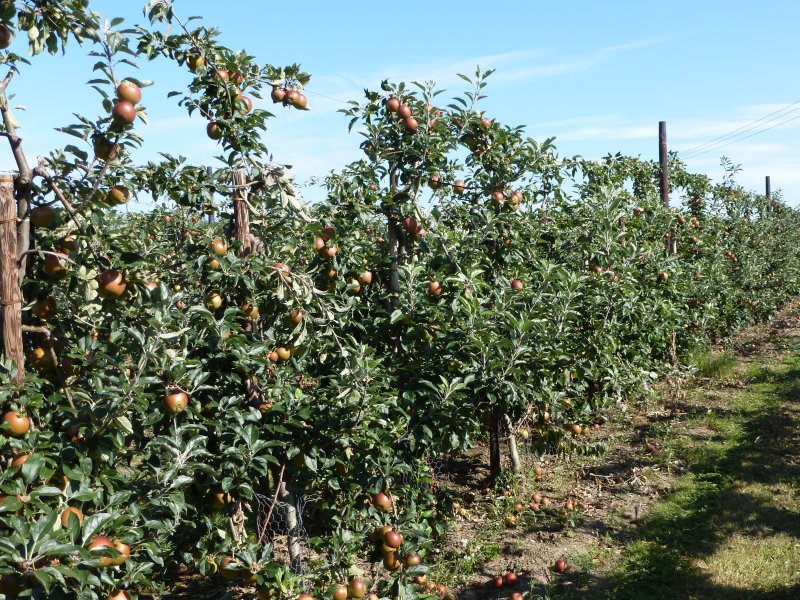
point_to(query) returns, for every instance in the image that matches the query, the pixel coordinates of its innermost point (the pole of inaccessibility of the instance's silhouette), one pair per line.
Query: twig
(278, 487)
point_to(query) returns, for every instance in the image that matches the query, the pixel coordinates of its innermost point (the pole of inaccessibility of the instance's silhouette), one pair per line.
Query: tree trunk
(495, 456)
(516, 464)
(293, 532)
(10, 292)
(241, 215)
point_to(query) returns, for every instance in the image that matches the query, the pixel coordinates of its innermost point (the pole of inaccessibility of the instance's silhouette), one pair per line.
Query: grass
(730, 528)
(718, 365)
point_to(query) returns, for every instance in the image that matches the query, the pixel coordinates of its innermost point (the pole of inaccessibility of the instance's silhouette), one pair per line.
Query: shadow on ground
(739, 492)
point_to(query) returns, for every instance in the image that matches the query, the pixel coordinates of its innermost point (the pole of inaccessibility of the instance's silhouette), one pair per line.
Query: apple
(296, 316)
(393, 104)
(516, 285)
(123, 113)
(391, 562)
(19, 460)
(42, 216)
(67, 244)
(214, 131)
(225, 570)
(71, 510)
(510, 578)
(458, 186)
(327, 233)
(651, 449)
(534, 506)
(272, 356)
(123, 552)
(434, 288)
(17, 424)
(117, 195)
(410, 224)
(637, 212)
(498, 197)
(100, 542)
(214, 301)
(283, 353)
(248, 105)
(560, 566)
(663, 276)
(111, 284)
(105, 149)
(382, 502)
(404, 111)
(365, 278)
(497, 581)
(278, 94)
(412, 560)
(290, 96)
(576, 428)
(195, 62)
(212, 263)
(486, 122)
(5, 36)
(340, 593)
(176, 401)
(411, 124)
(44, 308)
(434, 181)
(393, 539)
(11, 584)
(356, 588)
(222, 75)
(517, 596)
(299, 101)
(119, 595)
(128, 91)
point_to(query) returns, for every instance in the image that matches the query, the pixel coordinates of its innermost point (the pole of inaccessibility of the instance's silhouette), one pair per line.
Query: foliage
(459, 274)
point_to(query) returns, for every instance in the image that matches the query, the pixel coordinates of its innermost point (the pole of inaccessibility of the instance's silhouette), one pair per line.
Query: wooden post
(10, 292)
(768, 194)
(394, 235)
(241, 215)
(209, 172)
(663, 159)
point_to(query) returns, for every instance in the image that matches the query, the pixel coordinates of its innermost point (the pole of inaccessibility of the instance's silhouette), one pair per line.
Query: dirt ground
(612, 494)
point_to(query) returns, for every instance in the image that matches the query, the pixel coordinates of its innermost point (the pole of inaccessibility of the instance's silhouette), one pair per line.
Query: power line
(696, 154)
(743, 129)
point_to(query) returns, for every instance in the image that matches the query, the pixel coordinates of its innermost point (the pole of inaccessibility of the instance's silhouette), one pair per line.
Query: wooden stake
(10, 292)
(241, 215)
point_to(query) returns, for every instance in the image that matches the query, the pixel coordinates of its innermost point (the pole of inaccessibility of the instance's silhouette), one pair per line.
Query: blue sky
(596, 75)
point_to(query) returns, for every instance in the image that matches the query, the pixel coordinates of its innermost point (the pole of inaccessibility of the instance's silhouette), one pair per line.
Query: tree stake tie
(9, 220)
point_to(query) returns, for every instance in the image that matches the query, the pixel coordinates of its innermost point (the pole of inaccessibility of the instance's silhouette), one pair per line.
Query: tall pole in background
(768, 194)
(663, 160)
